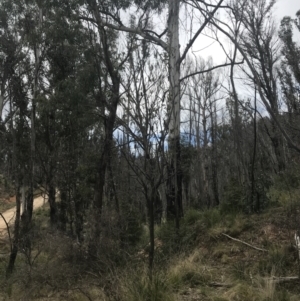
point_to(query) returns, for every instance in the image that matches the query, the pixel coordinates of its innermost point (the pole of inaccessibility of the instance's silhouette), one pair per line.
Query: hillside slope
(215, 256)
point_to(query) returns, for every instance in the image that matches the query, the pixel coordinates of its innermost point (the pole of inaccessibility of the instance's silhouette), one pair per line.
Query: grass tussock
(138, 286)
(188, 271)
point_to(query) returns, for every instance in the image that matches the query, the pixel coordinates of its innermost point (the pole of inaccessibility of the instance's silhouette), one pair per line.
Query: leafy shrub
(131, 226)
(211, 217)
(233, 197)
(192, 216)
(168, 235)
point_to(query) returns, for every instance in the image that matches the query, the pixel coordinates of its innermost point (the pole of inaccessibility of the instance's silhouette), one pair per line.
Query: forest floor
(216, 256)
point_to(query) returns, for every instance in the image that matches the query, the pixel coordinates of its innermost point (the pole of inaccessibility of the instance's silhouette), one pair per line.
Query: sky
(205, 47)
(286, 8)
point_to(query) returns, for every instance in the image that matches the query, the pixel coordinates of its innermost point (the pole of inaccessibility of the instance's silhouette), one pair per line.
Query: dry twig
(245, 243)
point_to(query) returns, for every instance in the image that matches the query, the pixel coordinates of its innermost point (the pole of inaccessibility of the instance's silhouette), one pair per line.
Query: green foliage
(192, 216)
(167, 233)
(192, 227)
(211, 217)
(187, 156)
(157, 5)
(233, 198)
(288, 180)
(131, 225)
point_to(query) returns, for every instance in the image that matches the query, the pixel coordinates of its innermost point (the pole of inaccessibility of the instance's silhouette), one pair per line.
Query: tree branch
(123, 28)
(191, 42)
(258, 83)
(283, 279)
(210, 69)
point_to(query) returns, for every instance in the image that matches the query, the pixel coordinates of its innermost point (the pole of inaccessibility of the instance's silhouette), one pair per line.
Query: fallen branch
(283, 279)
(242, 242)
(218, 284)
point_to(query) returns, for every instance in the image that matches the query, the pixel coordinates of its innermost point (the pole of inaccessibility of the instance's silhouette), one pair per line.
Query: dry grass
(211, 268)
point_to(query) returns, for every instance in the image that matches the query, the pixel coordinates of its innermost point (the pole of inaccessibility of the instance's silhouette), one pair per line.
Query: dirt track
(9, 215)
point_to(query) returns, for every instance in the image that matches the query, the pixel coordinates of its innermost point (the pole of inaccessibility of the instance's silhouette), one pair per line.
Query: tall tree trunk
(214, 159)
(150, 203)
(277, 143)
(15, 243)
(27, 214)
(1, 105)
(255, 206)
(18, 177)
(174, 199)
(112, 105)
(52, 203)
(101, 173)
(63, 205)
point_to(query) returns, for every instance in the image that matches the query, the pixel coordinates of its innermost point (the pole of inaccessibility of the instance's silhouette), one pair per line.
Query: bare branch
(191, 42)
(143, 33)
(245, 243)
(210, 69)
(258, 83)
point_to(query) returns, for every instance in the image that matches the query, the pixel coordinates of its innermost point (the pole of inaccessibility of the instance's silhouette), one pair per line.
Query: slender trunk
(52, 203)
(1, 106)
(214, 158)
(277, 143)
(15, 244)
(23, 198)
(109, 128)
(151, 231)
(79, 210)
(174, 111)
(255, 204)
(63, 205)
(101, 174)
(27, 215)
(113, 186)
(204, 159)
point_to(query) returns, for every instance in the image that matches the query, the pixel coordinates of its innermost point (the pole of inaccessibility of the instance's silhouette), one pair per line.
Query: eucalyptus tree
(20, 151)
(15, 94)
(202, 93)
(64, 110)
(44, 75)
(291, 50)
(289, 71)
(263, 47)
(110, 15)
(267, 47)
(144, 109)
(10, 59)
(108, 63)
